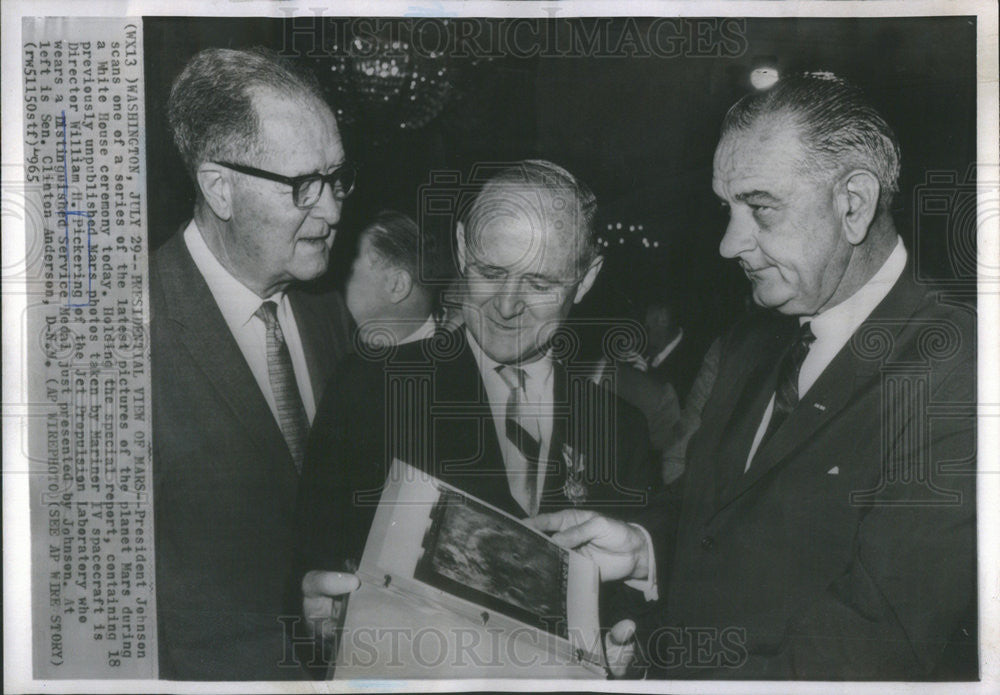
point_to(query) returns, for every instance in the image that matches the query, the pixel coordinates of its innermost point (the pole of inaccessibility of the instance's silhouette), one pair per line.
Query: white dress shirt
(834, 327)
(426, 330)
(538, 402)
(238, 305)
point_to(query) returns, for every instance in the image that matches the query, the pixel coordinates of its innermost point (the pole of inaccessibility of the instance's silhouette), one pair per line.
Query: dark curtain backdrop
(641, 131)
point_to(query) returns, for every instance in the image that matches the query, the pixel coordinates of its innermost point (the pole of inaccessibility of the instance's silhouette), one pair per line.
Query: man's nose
(740, 235)
(328, 206)
(508, 300)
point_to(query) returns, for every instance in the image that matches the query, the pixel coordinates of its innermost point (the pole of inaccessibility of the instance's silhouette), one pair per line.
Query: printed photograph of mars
(480, 555)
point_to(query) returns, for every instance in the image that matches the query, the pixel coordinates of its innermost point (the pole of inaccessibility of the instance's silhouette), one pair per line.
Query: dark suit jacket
(848, 549)
(657, 401)
(430, 397)
(224, 481)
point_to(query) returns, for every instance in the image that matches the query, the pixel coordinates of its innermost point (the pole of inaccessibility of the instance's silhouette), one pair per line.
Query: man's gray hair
(211, 110)
(571, 199)
(840, 129)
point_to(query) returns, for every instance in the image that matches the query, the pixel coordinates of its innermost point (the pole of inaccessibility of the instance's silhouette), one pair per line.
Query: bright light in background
(764, 78)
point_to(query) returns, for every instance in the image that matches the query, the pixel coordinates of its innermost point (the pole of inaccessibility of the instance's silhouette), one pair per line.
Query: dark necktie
(520, 429)
(291, 413)
(786, 394)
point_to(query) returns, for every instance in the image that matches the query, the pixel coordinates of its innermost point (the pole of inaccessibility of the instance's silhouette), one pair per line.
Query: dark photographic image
(478, 554)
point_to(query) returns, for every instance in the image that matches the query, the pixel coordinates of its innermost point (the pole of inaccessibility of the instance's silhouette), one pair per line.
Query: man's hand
(320, 591)
(619, 647)
(619, 549)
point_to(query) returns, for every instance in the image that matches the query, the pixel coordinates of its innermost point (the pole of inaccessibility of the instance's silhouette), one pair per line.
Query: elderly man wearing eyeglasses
(240, 353)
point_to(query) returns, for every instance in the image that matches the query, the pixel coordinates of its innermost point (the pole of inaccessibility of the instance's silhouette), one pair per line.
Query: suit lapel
(468, 455)
(562, 425)
(319, 344)
(748, 410)
(205, 334)
(584, 437)
(839, 385)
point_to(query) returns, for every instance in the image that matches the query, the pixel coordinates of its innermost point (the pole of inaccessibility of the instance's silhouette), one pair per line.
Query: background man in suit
(388, 291)
(240, 357)
(827, 527)
(673, 354)
(491, 411)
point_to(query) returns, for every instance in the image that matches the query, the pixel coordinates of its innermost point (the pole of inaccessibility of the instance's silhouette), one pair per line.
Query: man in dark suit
(493, 408)
(240, 358)
(673, 355)
(827, 524)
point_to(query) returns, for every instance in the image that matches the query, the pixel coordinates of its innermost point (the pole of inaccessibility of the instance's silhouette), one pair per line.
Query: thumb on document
(619, 647)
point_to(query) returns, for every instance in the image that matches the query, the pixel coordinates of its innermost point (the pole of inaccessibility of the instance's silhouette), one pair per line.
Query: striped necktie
(291, 413)
(523, 431)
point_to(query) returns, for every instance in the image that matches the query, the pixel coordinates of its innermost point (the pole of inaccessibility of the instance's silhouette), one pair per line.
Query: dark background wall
(640, 130)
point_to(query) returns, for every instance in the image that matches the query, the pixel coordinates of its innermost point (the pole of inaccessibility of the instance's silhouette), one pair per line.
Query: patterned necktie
(522, 429)
(786, 394)
(291, 413)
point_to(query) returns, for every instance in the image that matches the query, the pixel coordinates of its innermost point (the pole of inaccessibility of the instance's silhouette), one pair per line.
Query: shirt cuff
(648, 585)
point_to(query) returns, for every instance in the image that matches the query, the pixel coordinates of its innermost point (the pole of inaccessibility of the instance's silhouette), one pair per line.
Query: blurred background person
(620, 367)
(389, 290)
(672, 354)
(689, 419)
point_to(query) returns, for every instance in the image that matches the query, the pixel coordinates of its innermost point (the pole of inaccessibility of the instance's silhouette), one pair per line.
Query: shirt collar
(844, 318)
(426, 330)
(237, 302)
(538, 374)
(665, 352)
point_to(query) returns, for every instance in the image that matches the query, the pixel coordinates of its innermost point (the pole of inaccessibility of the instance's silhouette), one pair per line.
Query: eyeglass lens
(310, 190)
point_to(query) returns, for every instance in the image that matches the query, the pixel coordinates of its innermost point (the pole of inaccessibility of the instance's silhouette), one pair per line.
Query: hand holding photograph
(452, 585)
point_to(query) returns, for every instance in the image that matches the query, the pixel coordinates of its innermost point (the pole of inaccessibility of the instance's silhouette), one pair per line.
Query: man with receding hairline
(827, 524)
(502, 417)
(241, 351)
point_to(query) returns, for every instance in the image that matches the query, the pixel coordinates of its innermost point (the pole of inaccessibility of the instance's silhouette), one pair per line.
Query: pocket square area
(834, 471)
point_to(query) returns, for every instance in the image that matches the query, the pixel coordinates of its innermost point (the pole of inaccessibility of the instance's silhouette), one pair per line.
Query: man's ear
(859, 204)
(593, 270)
(398, 284)
(216, 188)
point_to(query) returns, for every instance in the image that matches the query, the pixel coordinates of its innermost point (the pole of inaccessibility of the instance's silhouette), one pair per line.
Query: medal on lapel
(574, 488)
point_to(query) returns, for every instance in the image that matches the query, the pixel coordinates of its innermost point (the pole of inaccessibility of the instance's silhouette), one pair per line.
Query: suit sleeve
(636, 472)
(340, 473)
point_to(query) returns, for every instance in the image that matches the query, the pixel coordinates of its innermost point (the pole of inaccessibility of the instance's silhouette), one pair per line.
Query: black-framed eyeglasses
(308, 188)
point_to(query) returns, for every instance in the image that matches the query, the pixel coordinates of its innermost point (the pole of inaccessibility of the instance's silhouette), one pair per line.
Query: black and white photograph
(477, 554)
(496, 597)
(703, 294)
